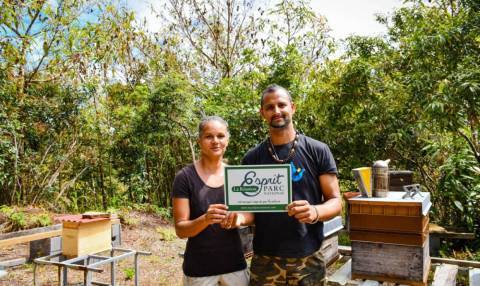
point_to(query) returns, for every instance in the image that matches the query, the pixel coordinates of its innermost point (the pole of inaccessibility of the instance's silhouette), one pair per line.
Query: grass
(129, 273)
(343, 238)
(166, 234)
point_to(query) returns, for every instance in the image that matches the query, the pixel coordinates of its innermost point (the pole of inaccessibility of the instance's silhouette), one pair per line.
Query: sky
(355, 17)
(345, 17)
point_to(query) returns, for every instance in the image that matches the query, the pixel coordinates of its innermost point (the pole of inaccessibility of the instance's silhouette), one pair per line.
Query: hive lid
(332, 226)
(95, 215)
(397, 198)
(79, 219)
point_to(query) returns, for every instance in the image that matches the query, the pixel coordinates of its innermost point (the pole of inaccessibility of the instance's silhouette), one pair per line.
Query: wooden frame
(28, 235)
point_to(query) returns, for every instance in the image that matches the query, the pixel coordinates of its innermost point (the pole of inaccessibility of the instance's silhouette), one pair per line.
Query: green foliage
(129, 273)
(344, 239)
(15, 218)
(165, 213)
(460, 184)
(97, 113)
(41, 220)
(18, 220)
(6, 210)
(240, 95)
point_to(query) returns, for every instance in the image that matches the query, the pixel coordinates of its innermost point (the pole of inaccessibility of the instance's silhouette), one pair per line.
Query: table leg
(64, 276)
(34, 274)
(136, 269)
(87, 278)
(112, 269)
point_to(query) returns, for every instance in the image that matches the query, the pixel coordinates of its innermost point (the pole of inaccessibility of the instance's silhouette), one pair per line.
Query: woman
(214, 253)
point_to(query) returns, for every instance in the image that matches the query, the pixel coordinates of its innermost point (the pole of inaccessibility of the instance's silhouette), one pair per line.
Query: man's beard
(280, 125)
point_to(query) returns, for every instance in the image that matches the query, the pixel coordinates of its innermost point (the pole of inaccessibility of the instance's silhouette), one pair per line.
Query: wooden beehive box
(390, 214)
(81, 236)
(398, 179)
(329, 247)
(390, 238)
(403, 264)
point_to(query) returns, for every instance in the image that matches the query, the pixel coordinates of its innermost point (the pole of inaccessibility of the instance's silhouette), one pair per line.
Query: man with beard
(286, 245)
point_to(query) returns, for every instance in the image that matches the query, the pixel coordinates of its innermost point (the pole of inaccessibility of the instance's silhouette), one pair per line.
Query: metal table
(88, 264)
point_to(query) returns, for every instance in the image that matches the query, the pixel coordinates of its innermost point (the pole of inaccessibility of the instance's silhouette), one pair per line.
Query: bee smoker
(380, 178)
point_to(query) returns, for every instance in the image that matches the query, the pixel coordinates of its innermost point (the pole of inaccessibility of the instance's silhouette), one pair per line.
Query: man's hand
(303, 211)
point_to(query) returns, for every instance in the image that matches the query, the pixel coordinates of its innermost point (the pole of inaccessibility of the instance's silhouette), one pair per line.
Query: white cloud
(355, 17)
(149, 10)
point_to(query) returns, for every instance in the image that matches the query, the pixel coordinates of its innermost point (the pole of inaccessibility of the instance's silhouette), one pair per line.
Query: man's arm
(331, 207)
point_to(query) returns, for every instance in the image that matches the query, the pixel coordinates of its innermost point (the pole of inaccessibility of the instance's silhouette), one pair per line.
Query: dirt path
(163, 267)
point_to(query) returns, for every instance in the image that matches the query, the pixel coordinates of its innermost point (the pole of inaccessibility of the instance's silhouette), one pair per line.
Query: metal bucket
(381, 179)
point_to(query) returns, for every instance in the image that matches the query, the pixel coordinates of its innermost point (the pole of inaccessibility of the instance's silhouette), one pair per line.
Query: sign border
(258, 208)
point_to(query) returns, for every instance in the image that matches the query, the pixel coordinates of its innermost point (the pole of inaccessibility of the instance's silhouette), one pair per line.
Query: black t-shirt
(277, 234)
(215, 250)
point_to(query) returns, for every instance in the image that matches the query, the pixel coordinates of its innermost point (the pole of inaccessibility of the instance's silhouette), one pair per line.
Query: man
(286, 245)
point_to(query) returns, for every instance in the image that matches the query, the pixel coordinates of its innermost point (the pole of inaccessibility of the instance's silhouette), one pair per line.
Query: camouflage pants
(272, 270)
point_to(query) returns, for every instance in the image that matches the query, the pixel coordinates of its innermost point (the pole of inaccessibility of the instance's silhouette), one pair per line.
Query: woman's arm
(184, 227)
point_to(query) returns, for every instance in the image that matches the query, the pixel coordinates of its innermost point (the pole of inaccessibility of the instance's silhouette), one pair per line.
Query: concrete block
(12, 262)
(116, 234)
(44, 247)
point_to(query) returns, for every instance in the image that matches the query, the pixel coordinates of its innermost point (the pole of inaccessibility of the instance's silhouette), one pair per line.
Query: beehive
(390, 238)
(81, 236)
(329, 247)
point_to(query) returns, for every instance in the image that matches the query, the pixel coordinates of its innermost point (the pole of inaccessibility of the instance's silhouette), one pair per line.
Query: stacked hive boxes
(329, 247)
(390, 238)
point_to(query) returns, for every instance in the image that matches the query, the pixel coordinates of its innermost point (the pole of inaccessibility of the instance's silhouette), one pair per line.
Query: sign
(258, 188)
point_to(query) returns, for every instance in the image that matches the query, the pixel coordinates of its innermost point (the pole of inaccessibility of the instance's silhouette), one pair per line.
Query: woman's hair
(207, 119)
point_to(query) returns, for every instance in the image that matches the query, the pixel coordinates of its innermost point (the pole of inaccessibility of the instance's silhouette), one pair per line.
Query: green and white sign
(258, 188)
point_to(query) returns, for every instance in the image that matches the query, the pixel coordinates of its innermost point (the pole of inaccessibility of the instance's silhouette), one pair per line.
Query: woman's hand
(235, 220)
(216, 213)
(232, 220)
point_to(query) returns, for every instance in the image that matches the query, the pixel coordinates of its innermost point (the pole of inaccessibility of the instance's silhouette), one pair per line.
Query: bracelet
(317, 217)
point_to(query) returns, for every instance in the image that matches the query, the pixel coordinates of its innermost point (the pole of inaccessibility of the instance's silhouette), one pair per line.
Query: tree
(297, 25)
(219, 32)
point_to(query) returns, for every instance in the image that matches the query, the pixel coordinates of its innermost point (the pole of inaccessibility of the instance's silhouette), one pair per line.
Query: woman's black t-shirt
(215, 250)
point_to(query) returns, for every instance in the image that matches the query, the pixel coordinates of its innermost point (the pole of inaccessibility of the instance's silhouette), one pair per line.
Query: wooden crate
(85, 236)
(399, 224)
(398, 179)
(390, 214)
(390, 237)
(329, 249)
(401, 264)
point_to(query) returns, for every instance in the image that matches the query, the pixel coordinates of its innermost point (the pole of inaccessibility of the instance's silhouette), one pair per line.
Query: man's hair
(207, 119)
(274, 88)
